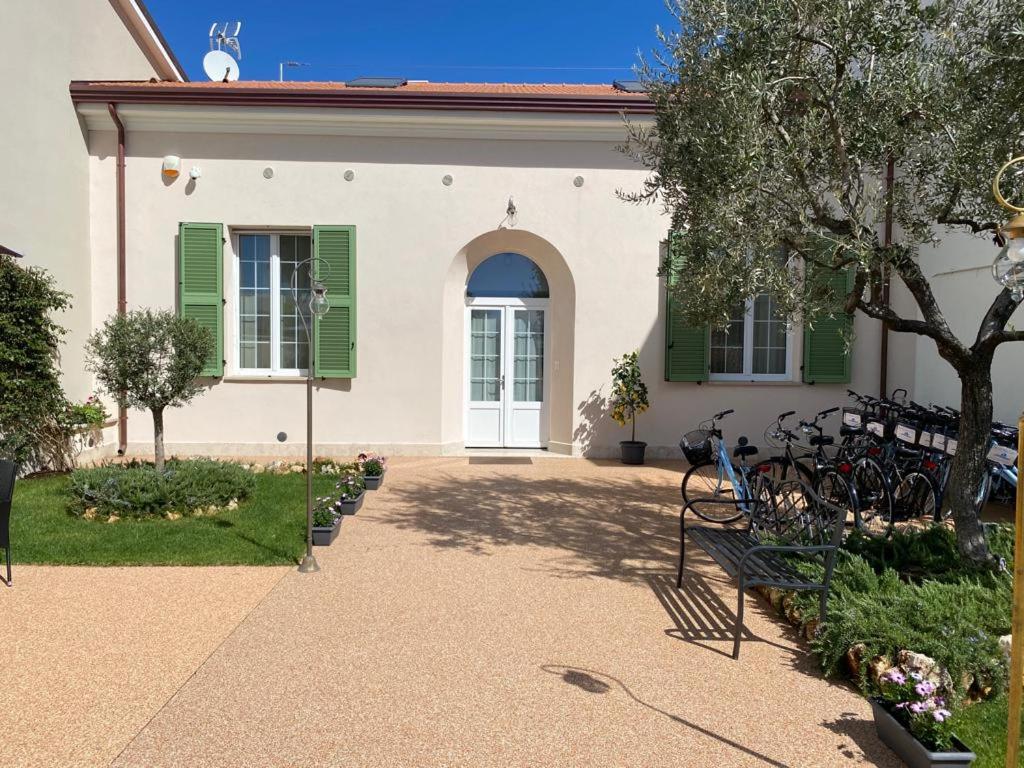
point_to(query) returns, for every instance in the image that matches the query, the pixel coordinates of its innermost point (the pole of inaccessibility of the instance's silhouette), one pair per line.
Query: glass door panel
(485, 355)
(528, 356)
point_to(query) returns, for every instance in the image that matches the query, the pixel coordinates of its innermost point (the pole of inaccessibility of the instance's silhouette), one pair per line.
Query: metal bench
(785, 519)
(7, 474)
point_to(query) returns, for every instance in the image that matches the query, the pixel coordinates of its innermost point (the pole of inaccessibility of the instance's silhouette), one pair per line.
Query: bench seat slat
(726, 546)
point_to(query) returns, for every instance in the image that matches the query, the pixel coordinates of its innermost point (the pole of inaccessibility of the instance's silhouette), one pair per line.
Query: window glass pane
(485, 355)
(254, 301)
(508, 275)
(528, 351)
(727, 343)
(770, 339)
(294, 300)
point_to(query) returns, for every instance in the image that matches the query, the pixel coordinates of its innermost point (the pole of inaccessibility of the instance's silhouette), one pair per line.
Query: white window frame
(274, 371)
(748, 354)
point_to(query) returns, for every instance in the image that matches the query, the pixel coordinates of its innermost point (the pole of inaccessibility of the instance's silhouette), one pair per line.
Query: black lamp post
(319, 305)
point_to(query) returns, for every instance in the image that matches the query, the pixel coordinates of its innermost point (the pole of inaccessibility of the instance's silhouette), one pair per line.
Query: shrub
(140, 490)
(371, 465)
(90, 414)
(629, 393)
(33, 428)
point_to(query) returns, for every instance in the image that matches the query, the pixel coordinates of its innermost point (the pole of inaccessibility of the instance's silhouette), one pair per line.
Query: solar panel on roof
(630, 86)
(376, 82)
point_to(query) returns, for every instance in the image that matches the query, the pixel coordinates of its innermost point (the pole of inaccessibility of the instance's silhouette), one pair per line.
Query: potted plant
(327, 517)
(372, 467)
(629, 397)
(350, 490)
(912, 719)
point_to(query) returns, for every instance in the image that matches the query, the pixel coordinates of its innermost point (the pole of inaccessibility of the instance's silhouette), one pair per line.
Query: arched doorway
(506, 356)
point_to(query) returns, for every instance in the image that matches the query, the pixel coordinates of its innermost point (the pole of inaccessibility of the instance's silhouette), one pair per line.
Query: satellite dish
(220, 67)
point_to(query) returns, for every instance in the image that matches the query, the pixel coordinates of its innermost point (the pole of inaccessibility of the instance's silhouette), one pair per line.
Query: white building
(454, 323)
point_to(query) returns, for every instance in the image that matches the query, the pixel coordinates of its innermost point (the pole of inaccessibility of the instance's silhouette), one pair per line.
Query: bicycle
(713, 476)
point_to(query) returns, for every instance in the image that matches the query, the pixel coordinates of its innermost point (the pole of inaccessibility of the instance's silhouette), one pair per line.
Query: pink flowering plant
(371, 465)
(918, 704)
(327, 509)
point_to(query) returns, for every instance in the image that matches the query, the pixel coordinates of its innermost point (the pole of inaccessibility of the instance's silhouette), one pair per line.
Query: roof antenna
(218, 64)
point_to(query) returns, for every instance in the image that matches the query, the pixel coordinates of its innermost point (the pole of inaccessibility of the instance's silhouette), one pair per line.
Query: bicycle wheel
(782, 469)
(835, 489)
(874, 500)
(914, 497)
(704, 481)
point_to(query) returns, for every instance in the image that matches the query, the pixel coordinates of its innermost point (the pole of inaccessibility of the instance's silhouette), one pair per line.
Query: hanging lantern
(1008, 267)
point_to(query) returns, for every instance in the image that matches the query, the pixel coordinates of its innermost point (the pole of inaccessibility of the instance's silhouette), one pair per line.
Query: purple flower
(941, 714)
(901, 705)
(925, 688)
(894, 676)
(916, 676)
(919, 707)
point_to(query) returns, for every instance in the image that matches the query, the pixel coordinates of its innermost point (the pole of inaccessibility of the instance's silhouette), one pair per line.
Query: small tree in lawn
(150, 360)
(777, 123)
(629, 393)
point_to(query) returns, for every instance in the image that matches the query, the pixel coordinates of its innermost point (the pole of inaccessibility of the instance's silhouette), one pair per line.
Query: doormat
(500, 460)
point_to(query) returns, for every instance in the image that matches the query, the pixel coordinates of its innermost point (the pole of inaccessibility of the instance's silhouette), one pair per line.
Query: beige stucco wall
(959, 269)
(417, 242)
(44, 197)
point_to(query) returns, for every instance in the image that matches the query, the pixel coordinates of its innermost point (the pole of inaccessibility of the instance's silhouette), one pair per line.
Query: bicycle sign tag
(1000, 454)
(925, 439)
(951, 447)
(939, 442)
(852, 418)
(906, 434)
(876, 428)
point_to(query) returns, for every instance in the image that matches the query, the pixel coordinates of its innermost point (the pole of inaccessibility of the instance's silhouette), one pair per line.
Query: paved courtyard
(475, 613)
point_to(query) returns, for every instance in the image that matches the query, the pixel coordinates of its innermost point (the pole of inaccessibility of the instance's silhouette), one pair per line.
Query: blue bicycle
(715, 477)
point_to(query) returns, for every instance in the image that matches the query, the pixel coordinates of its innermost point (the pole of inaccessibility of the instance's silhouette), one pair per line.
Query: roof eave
(226, 95)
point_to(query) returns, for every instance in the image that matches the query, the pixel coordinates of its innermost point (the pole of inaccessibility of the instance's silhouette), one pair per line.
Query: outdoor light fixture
(171, 167)
(1008, 267)
(318, 301)
(319, 305)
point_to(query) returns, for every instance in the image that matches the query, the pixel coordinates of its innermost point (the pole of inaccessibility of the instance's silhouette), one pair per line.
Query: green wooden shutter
(826, 358)
(201, 284)
(335, 333)
(686, 346)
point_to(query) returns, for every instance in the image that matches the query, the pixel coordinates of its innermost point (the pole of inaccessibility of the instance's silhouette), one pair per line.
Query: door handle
(503, 382)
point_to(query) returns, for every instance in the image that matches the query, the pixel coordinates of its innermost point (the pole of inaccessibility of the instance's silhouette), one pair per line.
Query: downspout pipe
(122, 299)
(883, 375)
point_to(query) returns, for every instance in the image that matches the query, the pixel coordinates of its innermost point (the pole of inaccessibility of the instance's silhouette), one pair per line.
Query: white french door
(506, 386)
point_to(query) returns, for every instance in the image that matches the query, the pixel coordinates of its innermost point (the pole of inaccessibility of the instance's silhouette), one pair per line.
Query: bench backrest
(7, 473)
(791, 512)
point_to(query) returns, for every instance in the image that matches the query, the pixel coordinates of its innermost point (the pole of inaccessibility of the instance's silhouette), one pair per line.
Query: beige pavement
(473, 614)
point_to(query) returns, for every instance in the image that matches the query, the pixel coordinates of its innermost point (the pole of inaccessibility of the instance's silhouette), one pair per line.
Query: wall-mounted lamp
(171, 167)
(195, 172)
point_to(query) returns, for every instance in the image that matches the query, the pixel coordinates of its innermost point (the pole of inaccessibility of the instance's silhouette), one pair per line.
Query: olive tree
(150, 360)
(776, 122)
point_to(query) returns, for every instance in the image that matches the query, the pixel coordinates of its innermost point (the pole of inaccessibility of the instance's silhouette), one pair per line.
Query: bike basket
(876, 428)
(853, 418)
(696, 446)
(906, 433)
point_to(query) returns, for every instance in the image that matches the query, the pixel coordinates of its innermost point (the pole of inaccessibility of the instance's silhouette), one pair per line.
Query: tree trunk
(158, 438)
(969, 463)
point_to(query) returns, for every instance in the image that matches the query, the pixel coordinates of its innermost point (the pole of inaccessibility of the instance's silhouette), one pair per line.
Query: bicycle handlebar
(822, 414)
(723, 414)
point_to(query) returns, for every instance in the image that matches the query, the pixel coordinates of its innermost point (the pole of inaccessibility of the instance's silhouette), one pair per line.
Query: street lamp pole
(319, 305)
(1008, 271)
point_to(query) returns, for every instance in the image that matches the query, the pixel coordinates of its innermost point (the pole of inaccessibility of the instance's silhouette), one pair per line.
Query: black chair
(7, 472)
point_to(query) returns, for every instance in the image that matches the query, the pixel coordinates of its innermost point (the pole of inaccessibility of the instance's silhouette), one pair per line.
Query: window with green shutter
(686, 346)
(335, 333)
(201, 284)
(826, 357)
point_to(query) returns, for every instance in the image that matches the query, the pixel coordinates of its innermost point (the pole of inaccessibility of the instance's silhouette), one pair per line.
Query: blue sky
(439, 40)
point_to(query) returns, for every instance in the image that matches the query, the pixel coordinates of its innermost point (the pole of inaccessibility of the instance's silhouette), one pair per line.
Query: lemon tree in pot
(629, 397)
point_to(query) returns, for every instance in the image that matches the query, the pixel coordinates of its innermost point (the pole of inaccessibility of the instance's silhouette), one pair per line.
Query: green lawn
(267, 529)
(982, 727)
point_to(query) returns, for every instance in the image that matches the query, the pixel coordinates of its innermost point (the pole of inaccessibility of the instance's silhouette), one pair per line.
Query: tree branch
(992, 331)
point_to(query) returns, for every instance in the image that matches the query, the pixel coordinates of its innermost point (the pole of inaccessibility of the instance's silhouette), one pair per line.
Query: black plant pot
(324, 535)
(632, 451)
(910, 750)
(373, 482)
(351, 506)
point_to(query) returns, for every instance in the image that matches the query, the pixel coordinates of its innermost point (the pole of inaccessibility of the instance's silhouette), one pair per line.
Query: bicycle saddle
(743, 449)
(822, 440)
